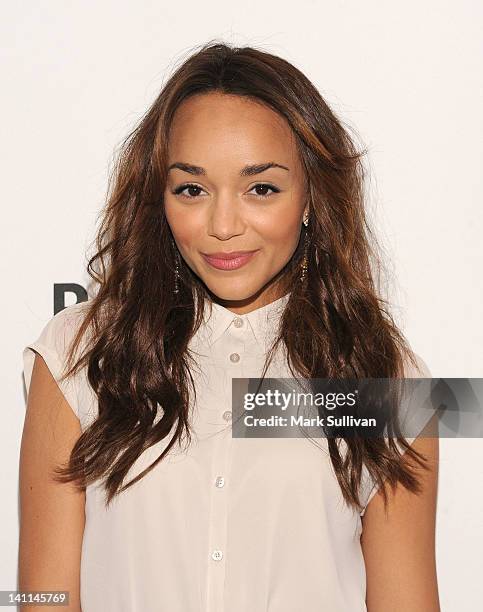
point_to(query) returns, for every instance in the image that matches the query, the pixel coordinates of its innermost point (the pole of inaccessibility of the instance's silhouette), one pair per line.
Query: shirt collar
(262, 321)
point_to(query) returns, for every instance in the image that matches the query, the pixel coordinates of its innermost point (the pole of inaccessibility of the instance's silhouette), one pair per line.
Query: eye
(263, 187)
(191, 187)
(193, 190)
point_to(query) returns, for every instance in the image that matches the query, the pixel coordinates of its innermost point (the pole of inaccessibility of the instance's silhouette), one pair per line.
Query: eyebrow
(249, 170)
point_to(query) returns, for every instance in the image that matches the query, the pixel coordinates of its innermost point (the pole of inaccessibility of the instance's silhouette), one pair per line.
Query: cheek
(185, 224)
(281, 233)
(276, 230)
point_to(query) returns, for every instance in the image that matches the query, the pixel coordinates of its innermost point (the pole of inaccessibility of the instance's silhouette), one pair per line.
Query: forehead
(230, 128)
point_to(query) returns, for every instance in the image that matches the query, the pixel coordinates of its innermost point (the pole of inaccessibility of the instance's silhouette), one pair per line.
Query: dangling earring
(305, 260)
(176, 269)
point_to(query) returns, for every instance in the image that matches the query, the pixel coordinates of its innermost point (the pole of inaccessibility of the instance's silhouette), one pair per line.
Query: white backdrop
(407, 76)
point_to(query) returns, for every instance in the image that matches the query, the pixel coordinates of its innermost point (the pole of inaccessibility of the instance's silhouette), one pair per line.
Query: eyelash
(181, 188)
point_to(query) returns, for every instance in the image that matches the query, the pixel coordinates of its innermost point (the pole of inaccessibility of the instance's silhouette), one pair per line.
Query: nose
(225, 219)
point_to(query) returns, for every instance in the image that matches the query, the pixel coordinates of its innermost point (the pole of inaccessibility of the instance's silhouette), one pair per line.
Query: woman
(234, 244)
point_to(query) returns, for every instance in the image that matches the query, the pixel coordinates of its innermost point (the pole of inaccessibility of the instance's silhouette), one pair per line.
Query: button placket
(236, 341)
(227, 415)
(232, 365)
(217, 538)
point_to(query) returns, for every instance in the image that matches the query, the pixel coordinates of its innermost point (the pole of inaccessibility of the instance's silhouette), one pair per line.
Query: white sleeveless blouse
(225, 524)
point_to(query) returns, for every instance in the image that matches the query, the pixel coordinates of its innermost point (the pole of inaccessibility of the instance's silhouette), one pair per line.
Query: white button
(227, 415)
(217, 555)
(220, 481)
(234, 357)
(238, 322)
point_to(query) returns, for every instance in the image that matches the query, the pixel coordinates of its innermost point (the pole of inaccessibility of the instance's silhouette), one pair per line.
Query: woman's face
(222, 197)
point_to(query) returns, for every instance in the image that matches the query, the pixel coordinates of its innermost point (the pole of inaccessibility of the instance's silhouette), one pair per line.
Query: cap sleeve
(53, 344)
(416, 423)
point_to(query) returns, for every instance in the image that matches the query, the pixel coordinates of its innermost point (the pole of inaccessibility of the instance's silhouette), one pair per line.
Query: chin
(230, 292)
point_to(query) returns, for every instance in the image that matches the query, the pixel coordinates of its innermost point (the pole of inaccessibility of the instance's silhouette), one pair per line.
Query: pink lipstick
(229, 260)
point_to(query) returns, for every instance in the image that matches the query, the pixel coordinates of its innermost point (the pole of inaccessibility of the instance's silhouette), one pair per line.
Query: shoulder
(416, 367)
(59, 330)
(71, 315)
(53, 345)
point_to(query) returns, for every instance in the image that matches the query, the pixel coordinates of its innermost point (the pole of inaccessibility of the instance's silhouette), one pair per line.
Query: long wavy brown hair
(334, 325)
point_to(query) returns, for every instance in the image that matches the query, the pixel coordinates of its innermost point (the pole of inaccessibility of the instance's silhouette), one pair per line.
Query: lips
(227, 254)
(231, 260)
